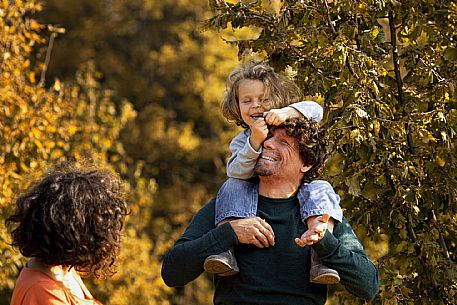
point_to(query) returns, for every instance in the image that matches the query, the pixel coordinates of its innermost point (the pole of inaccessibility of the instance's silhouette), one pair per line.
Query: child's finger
(300, 242)
(270, 117)
(325, 217)
(320, 228)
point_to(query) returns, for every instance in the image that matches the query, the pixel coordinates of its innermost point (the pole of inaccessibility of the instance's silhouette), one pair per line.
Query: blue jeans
(238, 198)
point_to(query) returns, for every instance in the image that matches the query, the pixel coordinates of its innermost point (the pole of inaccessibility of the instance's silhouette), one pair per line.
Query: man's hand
(259, 132)
(278, 116)
(315, 231)
(254, 230)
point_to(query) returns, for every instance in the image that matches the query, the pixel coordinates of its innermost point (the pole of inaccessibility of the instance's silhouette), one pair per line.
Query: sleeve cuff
(327, 245)
(249, 151)
(225, 236)
(309, 109)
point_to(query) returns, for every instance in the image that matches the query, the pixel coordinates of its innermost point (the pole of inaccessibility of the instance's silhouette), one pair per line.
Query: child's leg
(236, 199)
(317, 198)
(320, 273)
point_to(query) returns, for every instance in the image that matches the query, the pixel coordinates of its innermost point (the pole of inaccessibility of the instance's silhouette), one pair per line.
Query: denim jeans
(238, 198)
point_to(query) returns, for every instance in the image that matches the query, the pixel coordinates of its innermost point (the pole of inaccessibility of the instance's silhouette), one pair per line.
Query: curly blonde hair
(280, 90)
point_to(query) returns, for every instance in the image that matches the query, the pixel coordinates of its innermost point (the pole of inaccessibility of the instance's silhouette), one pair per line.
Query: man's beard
(262, 170)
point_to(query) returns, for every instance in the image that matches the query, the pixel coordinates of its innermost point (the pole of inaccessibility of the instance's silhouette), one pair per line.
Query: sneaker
(223, 264)
(321, 274)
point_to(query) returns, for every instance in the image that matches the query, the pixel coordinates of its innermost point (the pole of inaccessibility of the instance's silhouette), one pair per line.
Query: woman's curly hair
(280, 90)
(312, 143)
(72, 218)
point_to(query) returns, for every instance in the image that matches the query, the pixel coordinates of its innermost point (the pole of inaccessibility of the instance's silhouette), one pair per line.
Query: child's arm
(308, 109)
(243, 157)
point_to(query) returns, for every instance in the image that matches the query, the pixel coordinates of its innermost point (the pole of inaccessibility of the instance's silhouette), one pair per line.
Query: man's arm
(184, 262)
(343, 252)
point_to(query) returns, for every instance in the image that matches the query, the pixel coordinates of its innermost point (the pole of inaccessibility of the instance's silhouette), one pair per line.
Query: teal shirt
(275, 275)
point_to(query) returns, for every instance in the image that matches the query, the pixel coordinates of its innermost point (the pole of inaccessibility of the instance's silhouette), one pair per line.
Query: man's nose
(268, 143)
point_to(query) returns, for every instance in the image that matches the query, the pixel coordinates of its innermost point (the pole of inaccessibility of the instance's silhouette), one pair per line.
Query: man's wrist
(326, 245)
(226, 236)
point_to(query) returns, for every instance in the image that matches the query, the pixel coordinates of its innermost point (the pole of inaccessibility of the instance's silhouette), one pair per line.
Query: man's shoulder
(209, 206)
(207, 211)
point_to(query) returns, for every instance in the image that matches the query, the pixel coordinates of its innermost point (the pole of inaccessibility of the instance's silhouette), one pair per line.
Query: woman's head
(278, 90)
(71, 218)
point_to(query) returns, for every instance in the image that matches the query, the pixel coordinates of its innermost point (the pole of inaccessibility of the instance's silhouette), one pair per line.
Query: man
(272, 251)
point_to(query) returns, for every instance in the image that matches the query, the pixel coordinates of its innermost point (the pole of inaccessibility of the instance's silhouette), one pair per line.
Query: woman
(68, 223)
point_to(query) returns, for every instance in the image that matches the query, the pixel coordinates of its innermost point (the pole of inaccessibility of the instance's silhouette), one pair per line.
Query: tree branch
(329, 20)
(47, 60)
(393, 40)
(441, 238)
(351, 70)
(400, 96)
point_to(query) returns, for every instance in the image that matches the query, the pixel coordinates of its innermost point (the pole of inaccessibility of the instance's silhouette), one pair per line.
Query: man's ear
(304, 168)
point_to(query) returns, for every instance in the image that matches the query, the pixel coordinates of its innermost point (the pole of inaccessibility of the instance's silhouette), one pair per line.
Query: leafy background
(136, 86)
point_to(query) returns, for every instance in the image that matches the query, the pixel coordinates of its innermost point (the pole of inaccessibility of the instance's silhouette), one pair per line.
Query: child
(258, 97)
(67, 222)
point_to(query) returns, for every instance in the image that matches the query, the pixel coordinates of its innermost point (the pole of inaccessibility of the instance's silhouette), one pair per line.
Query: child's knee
(233, 185)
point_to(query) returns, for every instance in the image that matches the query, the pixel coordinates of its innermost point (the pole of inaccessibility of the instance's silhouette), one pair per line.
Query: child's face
(252, 100)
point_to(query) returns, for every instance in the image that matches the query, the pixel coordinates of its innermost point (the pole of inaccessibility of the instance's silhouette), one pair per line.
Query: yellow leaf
(441, 162)
(34, 25)
(24, 167)
(26, 64)
(72, 129)
(374, 33)
(38, 144)
(32, 77)
(56, 153)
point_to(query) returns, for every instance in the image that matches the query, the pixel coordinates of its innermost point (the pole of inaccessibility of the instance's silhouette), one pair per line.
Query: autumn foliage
(136, 86)
(386, 73)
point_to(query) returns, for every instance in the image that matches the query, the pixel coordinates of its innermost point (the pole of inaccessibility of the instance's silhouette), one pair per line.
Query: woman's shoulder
(33, 287)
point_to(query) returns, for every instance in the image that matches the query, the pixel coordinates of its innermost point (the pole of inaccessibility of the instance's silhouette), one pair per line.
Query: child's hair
(280, 90)
(73, 218)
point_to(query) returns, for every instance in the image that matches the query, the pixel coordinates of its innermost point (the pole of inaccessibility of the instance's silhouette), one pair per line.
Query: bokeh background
(136, 86)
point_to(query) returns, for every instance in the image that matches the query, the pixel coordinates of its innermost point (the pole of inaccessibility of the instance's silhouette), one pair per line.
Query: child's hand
(279, 116)
(315, 231)
(259, 132)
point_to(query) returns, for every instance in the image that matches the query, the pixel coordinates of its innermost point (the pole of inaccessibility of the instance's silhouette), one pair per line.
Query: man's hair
(312, 143)
(72, 218)
(280, 90)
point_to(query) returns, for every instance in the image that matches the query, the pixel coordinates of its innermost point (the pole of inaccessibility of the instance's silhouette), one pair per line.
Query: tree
(71, 120)
(385, 71)
(153, 55)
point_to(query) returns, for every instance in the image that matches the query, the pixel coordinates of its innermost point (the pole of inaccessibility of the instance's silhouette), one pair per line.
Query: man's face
(280, 157)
